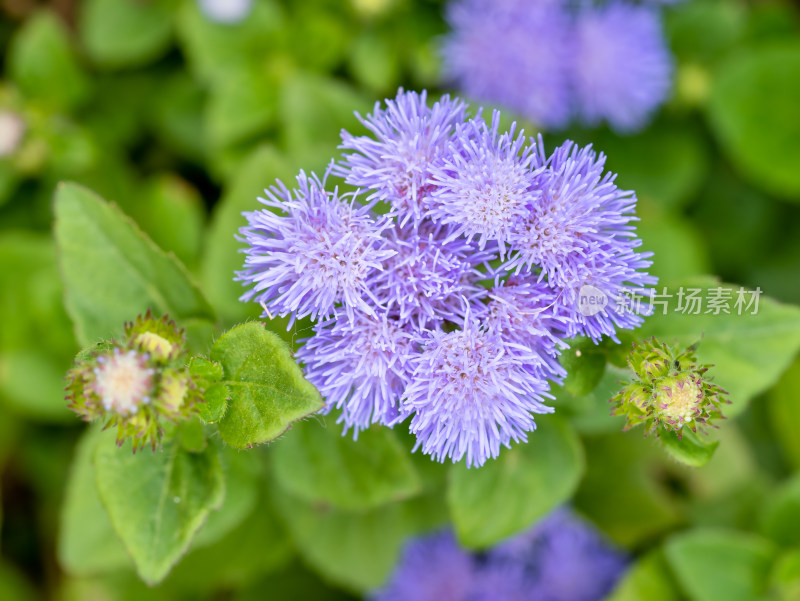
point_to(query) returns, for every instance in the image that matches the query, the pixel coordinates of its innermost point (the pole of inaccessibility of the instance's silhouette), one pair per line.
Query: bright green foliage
(719, 565)
(157, 501)
(112, 271)
(87, 543)
(649, 579)
(753, 110)
(267, 389)
(357, 550)
(784, 410)
(316, 463)
(44, 65)
(125, 33)
(521, 486)
(780, 519)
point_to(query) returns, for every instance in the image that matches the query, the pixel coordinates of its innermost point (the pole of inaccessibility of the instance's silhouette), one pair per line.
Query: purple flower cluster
(445, 287)
(554, 60)
(562, 558)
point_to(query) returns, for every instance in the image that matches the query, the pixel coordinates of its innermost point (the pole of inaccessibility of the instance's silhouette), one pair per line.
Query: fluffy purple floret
(566, 558)
(409, 137)
(316, 254)
(515, 53)
(432, 568)
(430, 275)
(580, 233)
(359, 367)
(526, 314)
(484, 186)
(469, 395)
(623, 66)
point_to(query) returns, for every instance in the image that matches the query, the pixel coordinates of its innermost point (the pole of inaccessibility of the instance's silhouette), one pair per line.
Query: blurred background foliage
(182, 122)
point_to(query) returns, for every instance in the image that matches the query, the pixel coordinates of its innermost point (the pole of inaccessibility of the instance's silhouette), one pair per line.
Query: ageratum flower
(395, 165)
(515, 53)
(623, 67)
(318, 253)
(525, 314)
(562, 558)
(580, 235)
(566, 559)
(430, 275)
(359, 367)
(432, 568)
(468, 395)
(486, 184)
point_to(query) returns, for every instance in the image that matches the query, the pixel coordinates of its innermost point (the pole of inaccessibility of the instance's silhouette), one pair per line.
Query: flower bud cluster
(670, 390)
(137, 384)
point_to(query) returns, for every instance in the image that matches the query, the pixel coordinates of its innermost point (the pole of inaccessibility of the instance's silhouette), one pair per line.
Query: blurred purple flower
(319, 253)
(562, 558)
(567, 559)
(409, 138)
(515, 53)
(623, 66)
(432, 568)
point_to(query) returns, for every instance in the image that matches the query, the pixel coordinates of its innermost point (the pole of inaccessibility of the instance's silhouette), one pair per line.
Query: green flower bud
(669, 391)
(136, 385)
(160, 338)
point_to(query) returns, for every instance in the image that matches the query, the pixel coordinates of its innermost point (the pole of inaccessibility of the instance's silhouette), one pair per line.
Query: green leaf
(243, 479)
(242, 104)
(585, 363)
(257, 545)
(126, 33)
(267, 388)
(374, 63)
(176, 114)
(649, 579)
(510, 493)
(87, 543)
(679, 247)
(112, 271)
(313, 111)
(631, 463)
(691, 449)
(158, 501)
(171, 212)
(780, 519)
(784, 581)
(357, 550)
(43, 64)
(211, 48)
(207, 375)
(681, 156)
(753, 110)
(37, 344)
(718, 565)
(783, 404)
(749, 352)
(222, 256)
(591, 413)
(319, 465)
